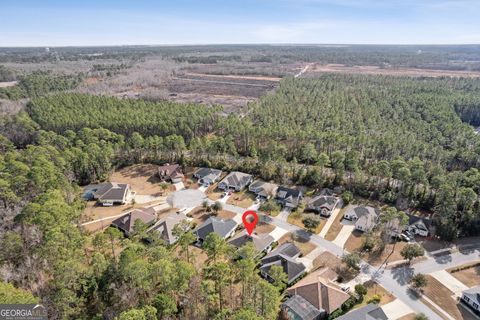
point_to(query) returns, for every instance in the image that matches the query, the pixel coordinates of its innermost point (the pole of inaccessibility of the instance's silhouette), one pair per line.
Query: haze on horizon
(149, 22)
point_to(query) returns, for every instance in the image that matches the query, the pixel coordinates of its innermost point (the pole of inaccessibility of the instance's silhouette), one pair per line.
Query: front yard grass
(468, 274)
(296, 219)
(373, 289)
(242, 199)
(444, 298)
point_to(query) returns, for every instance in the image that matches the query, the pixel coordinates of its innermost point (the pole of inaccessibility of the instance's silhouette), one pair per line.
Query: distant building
(207, 176)
(284, 256)
(126, 223)
(471, 298)
(224, 228)
(110, 193)
(263, 190)
(323, 205)
(289, 198)
(170, 172)
(235, 181)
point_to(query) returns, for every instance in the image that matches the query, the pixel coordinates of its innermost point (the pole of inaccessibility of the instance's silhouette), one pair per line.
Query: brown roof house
(320, 291)
(163, 228)
(126, 223)
(110, 193)
(170, 172)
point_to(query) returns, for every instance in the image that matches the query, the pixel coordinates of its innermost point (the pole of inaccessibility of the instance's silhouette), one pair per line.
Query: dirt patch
(336, 226)
(304, 245)
(142, 178)
(242, 199)
(199, 215)
(326, 259)
(224, 214)
(443, 297)
(258, 78)
(263, 227)
(410, 316)
(470, 275)
(7, 84)
(375, 70)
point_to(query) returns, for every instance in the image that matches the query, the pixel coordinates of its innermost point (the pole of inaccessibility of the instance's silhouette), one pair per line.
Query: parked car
(403, 237)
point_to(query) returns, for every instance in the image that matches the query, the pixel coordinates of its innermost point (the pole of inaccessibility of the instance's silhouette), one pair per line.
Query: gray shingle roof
(369, 312)
(261, 242)
(217, 225)
(323, 201)
(237, 179)
(164, 227)
(203, 172)
(473, 294)
(284, 256)
(127, 221)
(110, 191)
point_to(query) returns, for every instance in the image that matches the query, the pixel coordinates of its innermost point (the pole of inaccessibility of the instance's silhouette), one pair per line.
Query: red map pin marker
(249, 224)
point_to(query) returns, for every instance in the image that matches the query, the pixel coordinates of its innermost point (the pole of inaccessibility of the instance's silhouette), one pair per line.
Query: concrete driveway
(187, 198)
(308, 259)
(450, 282)
(343, 235)
(396, 309)
(277, 233)
(329, 223)
(283, 215)
(179, 186)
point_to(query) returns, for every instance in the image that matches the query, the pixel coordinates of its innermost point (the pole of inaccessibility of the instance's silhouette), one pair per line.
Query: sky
(150, 22)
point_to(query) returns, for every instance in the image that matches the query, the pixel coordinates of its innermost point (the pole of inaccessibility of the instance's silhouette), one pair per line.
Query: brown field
(142, 178)
(242, 199)
(335, 227)
(469, 276)
(263, 227)
(410, 316)
(443, 297)
(375, 70)
(230, 76)
(305, 246)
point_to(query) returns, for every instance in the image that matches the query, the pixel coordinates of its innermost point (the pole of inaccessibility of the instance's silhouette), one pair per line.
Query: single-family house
(262, 242)
(263, 190)
(323, 205)
(224, 228)
(163, 228)
(126, 223)
(418, 225)
(110, 193)
(365, 218)
(320, 291)
(235, 181)
(471, 298)
(207, 176)
(170, 172)
(369, 312)
(288, 197)
(284, 256)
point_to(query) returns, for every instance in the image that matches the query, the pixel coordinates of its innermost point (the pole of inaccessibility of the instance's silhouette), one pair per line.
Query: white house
(471, 297)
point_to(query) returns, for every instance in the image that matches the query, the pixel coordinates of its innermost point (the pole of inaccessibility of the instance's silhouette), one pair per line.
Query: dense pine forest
(392, 139)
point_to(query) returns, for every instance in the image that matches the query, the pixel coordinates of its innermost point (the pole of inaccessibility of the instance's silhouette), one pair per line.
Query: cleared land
(470, 275)
(374, 289)
(443, 297)
(375, 70)
(334, 230)
(304, 245)
(296, 219)
(242, 199)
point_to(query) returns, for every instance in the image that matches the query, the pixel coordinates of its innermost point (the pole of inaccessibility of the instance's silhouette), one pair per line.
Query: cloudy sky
(122, 22)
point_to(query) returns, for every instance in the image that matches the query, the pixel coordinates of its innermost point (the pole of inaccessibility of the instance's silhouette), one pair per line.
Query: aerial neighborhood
(322, 274)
